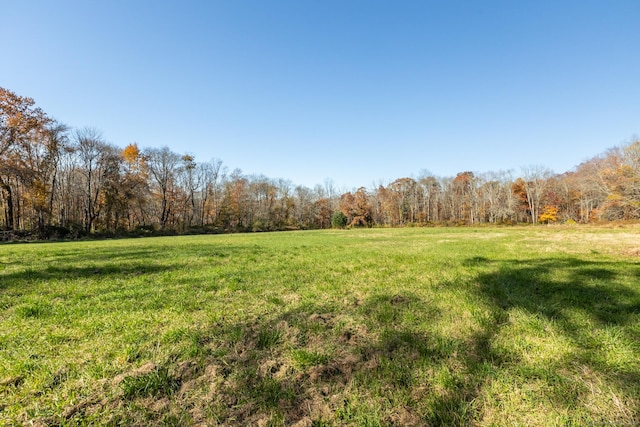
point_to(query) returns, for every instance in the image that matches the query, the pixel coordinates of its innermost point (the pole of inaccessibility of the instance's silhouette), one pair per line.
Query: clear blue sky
(360, 92)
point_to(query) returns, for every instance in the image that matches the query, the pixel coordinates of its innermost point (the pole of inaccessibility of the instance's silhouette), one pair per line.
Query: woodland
(63, 182)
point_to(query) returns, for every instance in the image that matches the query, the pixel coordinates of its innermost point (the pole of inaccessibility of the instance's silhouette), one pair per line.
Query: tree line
(58, 181)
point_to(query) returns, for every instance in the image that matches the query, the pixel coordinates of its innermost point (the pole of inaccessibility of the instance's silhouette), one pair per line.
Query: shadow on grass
(33, 275)
(590, 288)
(114, 261)
(578, 300)
(576, 297)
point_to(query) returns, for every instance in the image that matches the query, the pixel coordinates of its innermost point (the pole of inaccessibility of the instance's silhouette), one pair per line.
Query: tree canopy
(55, 180)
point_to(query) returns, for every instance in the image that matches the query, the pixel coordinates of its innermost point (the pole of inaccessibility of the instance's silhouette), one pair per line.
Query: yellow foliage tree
(549, 215)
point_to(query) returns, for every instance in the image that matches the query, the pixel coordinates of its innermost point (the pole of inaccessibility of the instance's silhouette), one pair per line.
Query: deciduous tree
(94, 156)
(533, 182)
(23, 127)
(163, 164)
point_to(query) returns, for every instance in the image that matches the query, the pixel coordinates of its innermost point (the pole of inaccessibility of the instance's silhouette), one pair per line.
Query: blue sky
(359, 92)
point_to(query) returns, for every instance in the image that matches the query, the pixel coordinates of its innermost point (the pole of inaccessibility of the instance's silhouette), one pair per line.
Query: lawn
(367, 327)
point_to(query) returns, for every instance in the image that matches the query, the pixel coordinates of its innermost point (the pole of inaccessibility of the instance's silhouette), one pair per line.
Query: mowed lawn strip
(415, 326)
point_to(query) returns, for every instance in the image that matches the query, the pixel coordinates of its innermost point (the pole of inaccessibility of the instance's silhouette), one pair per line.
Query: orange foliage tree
(549, 215)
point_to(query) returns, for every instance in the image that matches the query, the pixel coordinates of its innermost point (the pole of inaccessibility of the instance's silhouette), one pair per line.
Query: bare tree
(535, 180)
(214, 174)
(91, 151)
(191, 180)
(163, 164)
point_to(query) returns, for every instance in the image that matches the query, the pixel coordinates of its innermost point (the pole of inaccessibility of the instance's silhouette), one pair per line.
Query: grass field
(376, 327)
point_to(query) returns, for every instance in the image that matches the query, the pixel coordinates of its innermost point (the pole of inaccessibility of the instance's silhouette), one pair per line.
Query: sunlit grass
(529, 326)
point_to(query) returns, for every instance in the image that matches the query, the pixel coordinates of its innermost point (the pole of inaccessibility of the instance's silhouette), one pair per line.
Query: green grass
(377, 327)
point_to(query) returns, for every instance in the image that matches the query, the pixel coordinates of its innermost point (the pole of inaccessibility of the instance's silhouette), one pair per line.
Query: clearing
(415, 326)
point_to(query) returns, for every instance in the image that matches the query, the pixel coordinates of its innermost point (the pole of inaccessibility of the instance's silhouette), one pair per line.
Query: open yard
(372, 327)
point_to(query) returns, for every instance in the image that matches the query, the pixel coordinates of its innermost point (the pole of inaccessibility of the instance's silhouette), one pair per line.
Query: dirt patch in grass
(13, 381)
(145, 369)
(260, 385)
(634, 252)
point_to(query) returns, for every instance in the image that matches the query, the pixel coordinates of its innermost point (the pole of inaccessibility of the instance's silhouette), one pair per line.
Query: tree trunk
(10, 209)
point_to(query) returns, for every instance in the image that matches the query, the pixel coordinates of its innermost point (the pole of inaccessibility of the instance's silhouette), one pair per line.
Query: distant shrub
(76, 231)
(54, 232)
(339, 220)
(143, 230)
